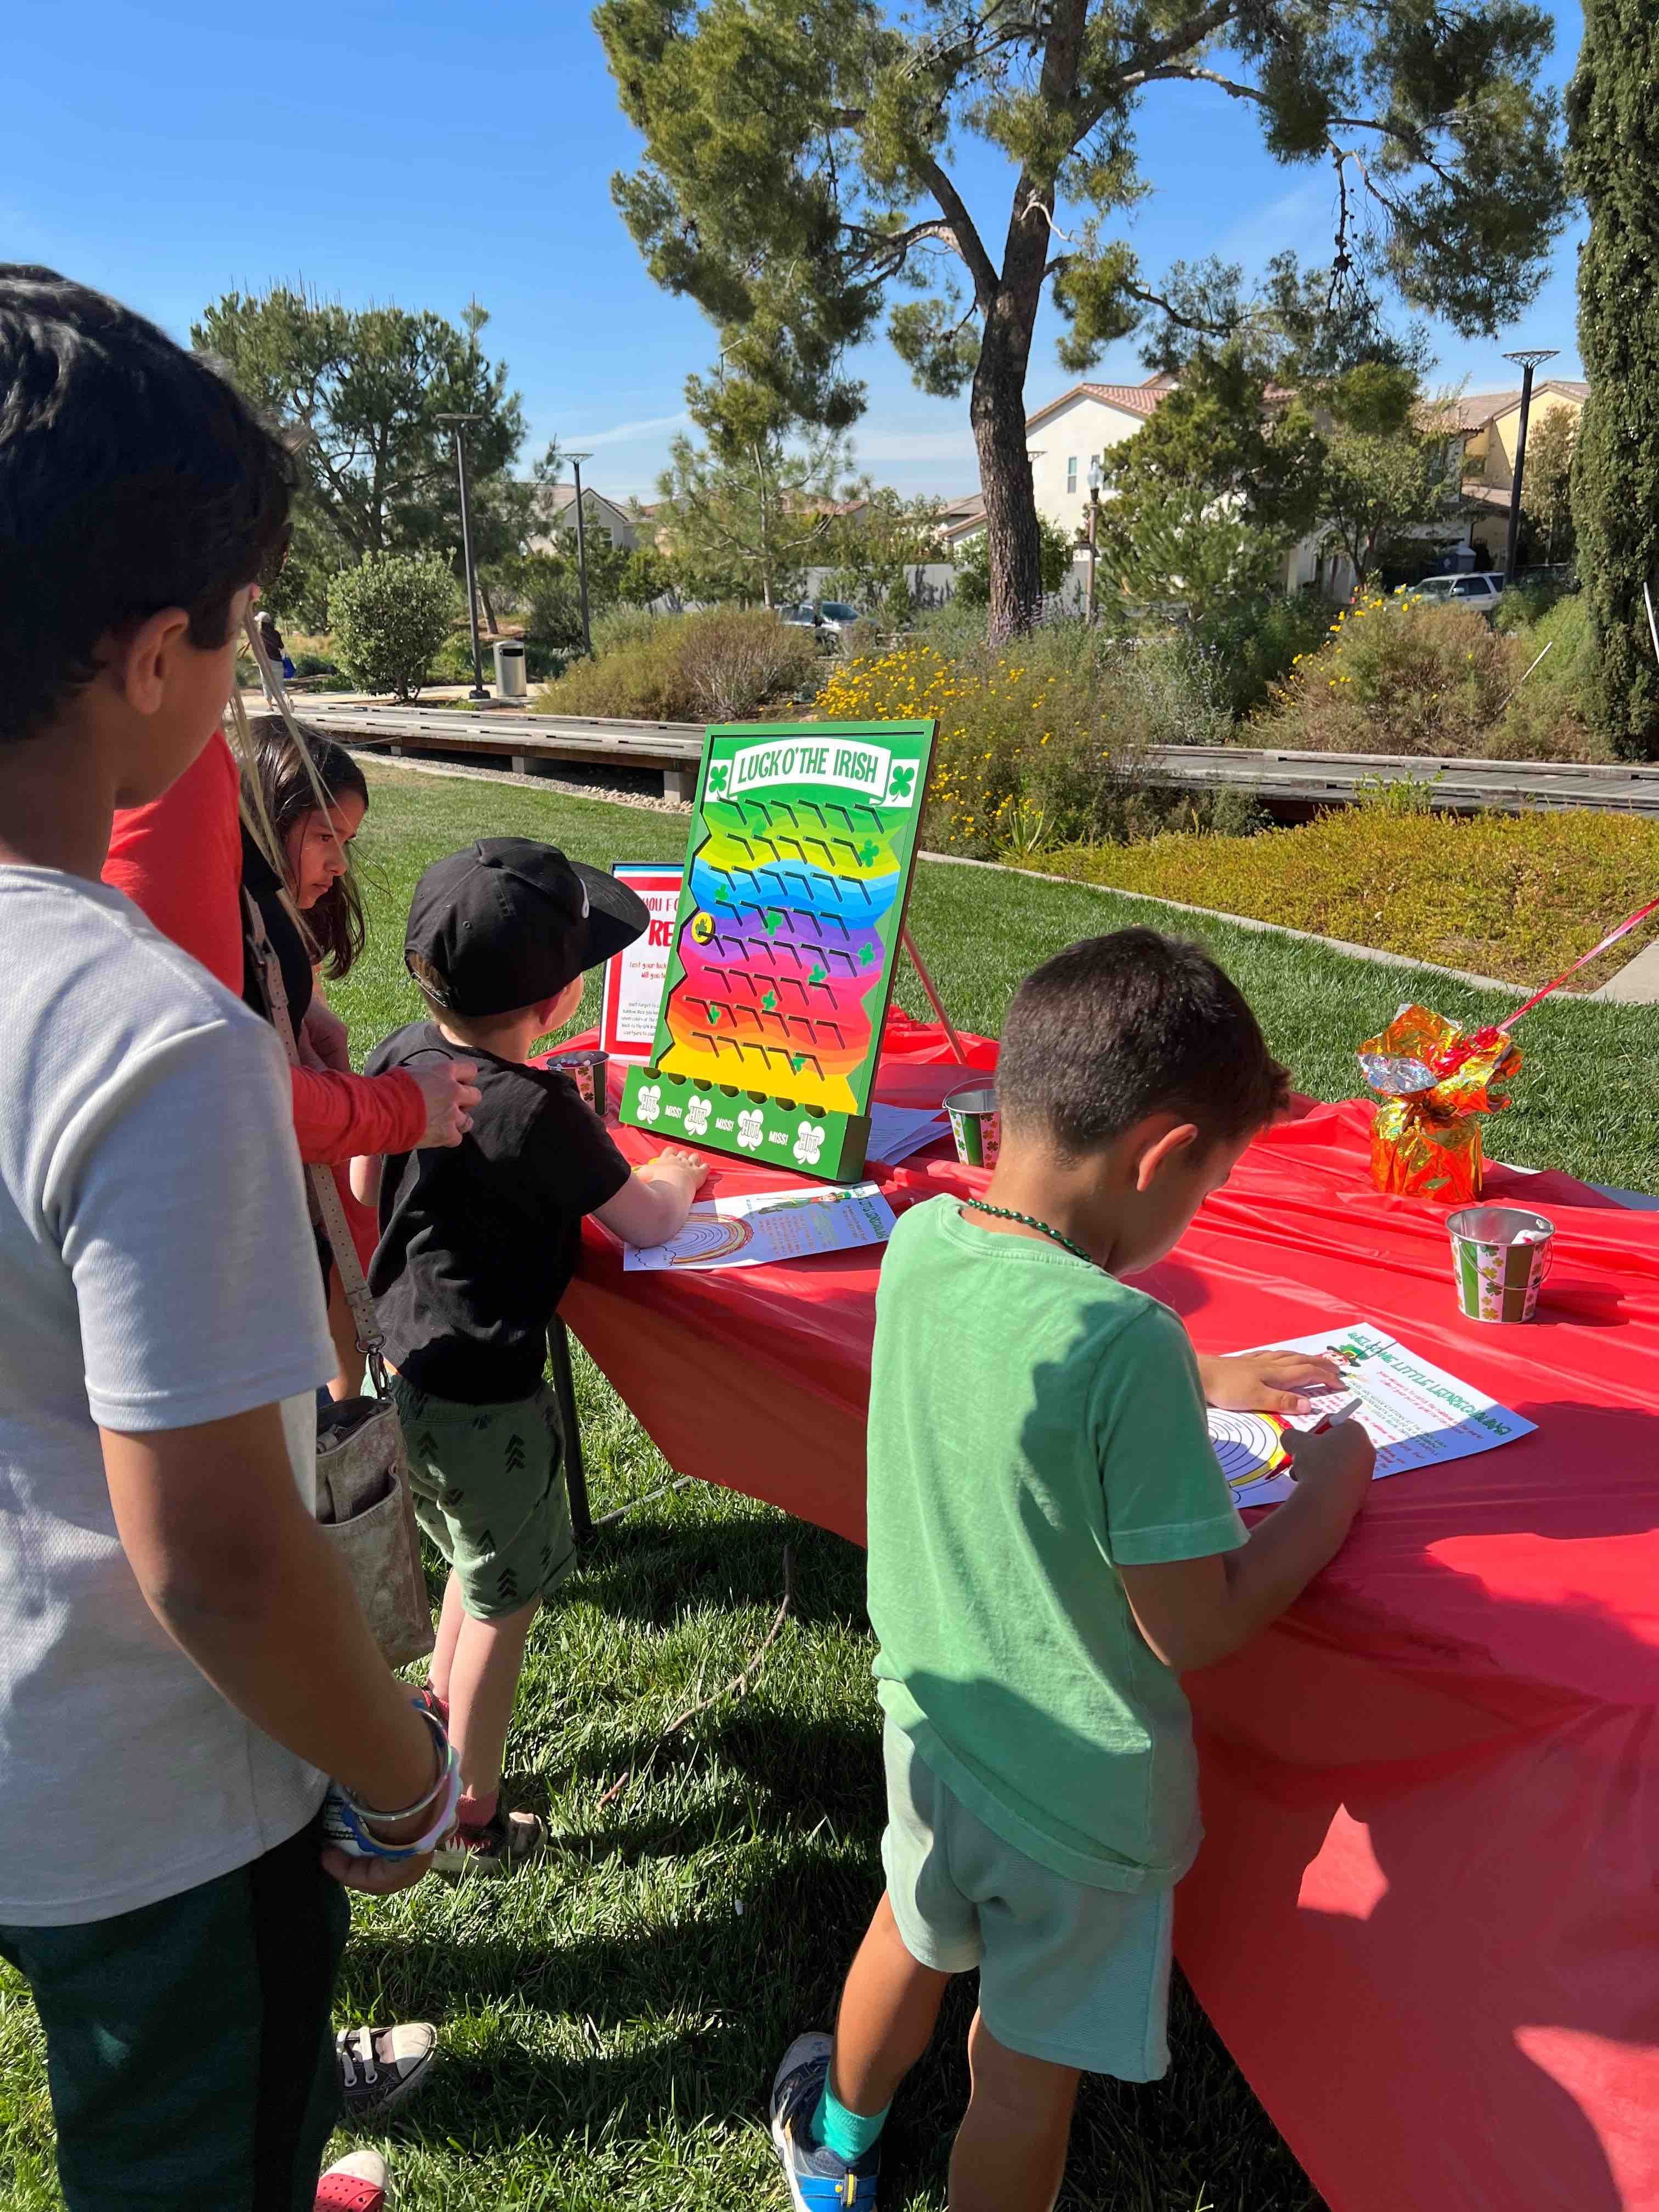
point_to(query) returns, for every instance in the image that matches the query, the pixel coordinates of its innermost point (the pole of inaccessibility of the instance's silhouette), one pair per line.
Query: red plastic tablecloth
(1424, 1919)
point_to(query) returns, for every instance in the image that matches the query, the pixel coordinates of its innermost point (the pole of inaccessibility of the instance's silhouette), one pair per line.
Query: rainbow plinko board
(781, 968)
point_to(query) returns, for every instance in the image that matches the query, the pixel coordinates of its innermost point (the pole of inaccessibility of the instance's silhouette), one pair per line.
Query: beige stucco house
(1489, 424)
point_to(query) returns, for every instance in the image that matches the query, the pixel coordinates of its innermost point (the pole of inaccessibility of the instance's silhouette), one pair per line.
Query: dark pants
(189, 2045)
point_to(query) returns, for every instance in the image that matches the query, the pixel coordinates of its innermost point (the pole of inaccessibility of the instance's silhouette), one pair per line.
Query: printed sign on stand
(634, 980)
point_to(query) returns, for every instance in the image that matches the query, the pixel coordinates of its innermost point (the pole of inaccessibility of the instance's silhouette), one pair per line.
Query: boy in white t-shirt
(181, 1660)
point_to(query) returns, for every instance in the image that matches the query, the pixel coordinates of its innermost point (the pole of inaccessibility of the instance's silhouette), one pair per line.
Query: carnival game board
(797, 872)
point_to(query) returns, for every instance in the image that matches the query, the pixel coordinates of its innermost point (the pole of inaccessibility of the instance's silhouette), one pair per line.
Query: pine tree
(803, 160)
(1613, 143)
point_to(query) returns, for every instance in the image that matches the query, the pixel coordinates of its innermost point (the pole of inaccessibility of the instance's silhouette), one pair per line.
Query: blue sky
(423, 152)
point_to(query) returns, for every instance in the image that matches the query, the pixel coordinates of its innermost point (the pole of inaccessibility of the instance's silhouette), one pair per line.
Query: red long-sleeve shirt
(179, 860)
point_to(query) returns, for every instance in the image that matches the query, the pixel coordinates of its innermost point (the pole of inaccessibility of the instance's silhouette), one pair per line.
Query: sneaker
(381, 2066)
(504, 1843)
(357, 2183)
(817, 2179)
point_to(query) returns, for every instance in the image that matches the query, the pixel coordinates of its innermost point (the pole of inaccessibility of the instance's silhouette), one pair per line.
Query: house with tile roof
(1489, 424)
(1070, 432)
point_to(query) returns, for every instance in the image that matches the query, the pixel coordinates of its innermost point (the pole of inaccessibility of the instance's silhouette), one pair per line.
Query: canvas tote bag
(364, 1502)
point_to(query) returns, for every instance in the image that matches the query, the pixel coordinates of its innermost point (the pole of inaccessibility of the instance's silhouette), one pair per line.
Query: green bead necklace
(1030, 1221)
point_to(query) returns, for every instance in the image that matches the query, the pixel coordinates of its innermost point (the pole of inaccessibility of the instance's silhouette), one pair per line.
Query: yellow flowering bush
(1399, 676)
(1516, 896)
(1036, 743)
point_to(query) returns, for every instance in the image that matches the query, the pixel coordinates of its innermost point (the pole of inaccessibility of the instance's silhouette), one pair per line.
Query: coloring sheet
(765, 1225)
(1415, 1414)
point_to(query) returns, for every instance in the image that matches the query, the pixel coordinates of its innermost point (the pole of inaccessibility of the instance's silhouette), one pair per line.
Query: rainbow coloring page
(761, 1227)
(1415, 1414)
(780, 967)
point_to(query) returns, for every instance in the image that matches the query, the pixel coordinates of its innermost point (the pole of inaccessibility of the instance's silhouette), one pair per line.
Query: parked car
(1480, 589)
(831, 619)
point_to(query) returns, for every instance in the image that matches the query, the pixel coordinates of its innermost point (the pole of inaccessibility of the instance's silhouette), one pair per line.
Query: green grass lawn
(611, 2017)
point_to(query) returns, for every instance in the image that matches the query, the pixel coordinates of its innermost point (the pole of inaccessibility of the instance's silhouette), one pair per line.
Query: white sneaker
(381, 2066)
(356, 2184)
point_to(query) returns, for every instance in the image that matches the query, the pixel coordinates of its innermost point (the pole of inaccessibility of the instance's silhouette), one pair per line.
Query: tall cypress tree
(1613, 149)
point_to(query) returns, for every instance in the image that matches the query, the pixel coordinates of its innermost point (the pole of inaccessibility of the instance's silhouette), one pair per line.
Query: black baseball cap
(508, 922)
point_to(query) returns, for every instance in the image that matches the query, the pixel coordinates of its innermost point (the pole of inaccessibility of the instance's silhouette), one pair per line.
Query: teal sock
(850, 2135)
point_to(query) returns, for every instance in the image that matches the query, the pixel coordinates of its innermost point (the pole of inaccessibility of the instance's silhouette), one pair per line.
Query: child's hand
(1339, 1460)
(1267, 1382)
(376, 1877)
(682, 1170)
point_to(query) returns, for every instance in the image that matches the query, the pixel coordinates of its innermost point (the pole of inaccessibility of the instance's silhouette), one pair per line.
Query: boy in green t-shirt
(1052, 1543)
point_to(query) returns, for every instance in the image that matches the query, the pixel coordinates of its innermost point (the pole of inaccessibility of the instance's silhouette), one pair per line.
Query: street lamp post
(1095, 475)
(458, 424)
(576, 461)
(1525, 362)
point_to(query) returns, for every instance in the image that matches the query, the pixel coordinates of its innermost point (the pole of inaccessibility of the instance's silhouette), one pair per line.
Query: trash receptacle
(512, 677)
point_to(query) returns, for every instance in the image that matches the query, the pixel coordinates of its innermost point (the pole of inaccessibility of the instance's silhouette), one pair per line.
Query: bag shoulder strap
(371, 1337)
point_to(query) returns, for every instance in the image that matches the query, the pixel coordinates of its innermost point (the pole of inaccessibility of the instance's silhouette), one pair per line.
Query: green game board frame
(883, 769)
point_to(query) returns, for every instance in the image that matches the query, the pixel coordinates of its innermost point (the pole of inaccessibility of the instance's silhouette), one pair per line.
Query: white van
(1481, 589)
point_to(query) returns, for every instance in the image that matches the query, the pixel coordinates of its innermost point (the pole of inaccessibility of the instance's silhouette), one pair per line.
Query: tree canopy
(802, 166)
(1615, 470)
(747, 513)
(361, 392)
(1546, 486)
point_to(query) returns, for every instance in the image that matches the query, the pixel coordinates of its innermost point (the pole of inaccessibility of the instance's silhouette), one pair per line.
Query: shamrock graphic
(809, 1143)
(820, 973)
(869, 853)
(717, 776)
(797, 1061)
(749, 1130)
(714, 1014)
(696, 1117)
(648, 1104)
(868, 952)
(899, 783)
(774, 923)
(769, 1001)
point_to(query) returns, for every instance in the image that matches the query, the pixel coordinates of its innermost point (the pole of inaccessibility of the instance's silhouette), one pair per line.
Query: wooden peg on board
(933, 999)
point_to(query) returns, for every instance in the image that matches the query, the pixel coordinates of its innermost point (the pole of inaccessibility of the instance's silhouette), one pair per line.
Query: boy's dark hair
(337, 925)
(132, 477)
(1119, 1027)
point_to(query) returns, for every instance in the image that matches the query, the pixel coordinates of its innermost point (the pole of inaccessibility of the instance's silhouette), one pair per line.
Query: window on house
(1071, 472)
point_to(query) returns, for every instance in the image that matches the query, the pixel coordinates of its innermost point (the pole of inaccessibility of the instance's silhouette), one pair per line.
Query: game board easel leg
(933, 999)
(564, 1393)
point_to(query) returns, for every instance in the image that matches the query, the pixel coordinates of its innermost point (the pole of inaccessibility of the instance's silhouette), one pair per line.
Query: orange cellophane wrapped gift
(1434, 1080)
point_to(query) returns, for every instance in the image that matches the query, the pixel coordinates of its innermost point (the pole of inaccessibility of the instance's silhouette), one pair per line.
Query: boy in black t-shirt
(476, 1246)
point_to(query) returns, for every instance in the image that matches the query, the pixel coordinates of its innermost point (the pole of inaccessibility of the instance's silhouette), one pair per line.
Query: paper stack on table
(1415, 1414)
(766, 1226)
(896, 1132)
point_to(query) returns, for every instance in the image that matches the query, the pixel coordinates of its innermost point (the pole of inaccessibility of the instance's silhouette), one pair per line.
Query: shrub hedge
(1516, 897)
(1039, 743)
(1396, 676)
(716, 666)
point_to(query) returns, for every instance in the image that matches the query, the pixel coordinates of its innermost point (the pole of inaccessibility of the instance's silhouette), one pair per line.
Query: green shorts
(189, 2049)
(1075, 1975)
(490, 1494)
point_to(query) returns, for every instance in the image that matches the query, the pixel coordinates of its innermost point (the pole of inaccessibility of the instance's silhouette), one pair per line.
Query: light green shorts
(1075, 1975)
(490, 1494)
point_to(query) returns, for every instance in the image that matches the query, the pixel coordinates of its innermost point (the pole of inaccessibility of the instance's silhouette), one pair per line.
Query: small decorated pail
(587, 1070)
(1500, 1256)
(976, 1125)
